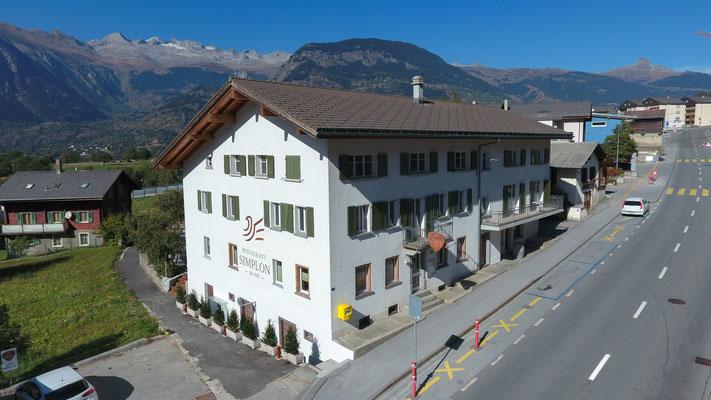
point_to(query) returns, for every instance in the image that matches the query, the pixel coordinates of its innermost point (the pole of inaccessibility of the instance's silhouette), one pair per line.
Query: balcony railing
(498, 218)
(416, 238)
(33, 229)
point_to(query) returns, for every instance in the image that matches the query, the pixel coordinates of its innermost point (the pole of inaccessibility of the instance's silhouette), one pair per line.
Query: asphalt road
(600, 325)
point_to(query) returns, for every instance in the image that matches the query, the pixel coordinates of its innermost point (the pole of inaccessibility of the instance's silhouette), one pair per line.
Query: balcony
(416, 238)
(500, 220)
(34, 229)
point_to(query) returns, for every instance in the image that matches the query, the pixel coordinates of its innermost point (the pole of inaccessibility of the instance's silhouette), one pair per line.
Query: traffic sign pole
(414, 379)
(476, 334)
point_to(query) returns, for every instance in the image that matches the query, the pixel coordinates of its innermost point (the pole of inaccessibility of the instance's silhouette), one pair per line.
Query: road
(601, 324)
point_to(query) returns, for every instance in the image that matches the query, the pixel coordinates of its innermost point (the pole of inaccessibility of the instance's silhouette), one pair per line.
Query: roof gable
(574, 155)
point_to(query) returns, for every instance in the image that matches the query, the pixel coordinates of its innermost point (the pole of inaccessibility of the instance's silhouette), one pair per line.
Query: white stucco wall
(702, 114)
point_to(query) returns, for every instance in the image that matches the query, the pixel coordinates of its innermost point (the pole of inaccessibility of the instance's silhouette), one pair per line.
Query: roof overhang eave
(345, 133)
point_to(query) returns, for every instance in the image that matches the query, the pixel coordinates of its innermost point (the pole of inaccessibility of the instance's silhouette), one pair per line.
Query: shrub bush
(218, 316)
(193, 302)
(180, 294)
(291, 342)
(233, 321)
(248, 328)
(205, 311)
(269, 336)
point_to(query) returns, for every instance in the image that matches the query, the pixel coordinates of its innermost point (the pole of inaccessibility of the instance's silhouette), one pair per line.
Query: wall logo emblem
(252, 230)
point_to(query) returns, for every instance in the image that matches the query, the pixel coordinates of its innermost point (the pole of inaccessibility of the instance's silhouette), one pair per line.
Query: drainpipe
(478, 188)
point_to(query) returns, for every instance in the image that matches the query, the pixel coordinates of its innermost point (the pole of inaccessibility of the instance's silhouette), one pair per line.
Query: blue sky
(575, 34)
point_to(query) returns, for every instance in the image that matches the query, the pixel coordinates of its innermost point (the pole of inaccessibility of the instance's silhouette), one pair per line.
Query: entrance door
(284, 326)
(415, 273)
(246, 309)
(484, 239)
(506, 233)
(588, 200)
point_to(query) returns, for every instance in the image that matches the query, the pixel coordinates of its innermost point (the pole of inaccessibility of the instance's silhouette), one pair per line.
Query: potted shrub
(193, 304)
(218, 320)
(205, 312)
(180, 298)
(291, 347)
(232, 330)
(249, 333)
(269, 339)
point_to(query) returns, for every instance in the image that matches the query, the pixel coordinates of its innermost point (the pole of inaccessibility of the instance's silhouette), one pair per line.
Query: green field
(69, 306)
(107, 165)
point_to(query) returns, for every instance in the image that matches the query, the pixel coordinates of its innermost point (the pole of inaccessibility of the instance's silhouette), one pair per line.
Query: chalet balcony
(416, 238)
(500, 220)
(34, 229)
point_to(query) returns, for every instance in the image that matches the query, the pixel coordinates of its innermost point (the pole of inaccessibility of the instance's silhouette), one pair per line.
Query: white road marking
(686, 229)
(471, 382)
(619, 246)
(639, 310)
(569, 293)
(497, 359)
(538, 322)
(599, 367)
(519, 339)
(698, 199)
(700, 186)
(664, 271)
(602, 262)
(627, 238)
(693, 212)
(676, 248)
(593, 271)
(555, 307)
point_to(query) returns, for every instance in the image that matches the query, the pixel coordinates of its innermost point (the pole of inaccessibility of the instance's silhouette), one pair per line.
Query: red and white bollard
(476, 334)
(414, 379)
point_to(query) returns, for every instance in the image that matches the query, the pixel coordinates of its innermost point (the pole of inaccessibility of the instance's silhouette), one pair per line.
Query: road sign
(415, 306)
(9, 360)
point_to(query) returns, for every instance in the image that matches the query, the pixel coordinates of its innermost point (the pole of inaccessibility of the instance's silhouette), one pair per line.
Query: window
(383, 215)
(232, 250)
(461, 249)
(262, 166)
(362, 280)
(522, 159)
(206, 246)
(57, 241)
(392, 271)
(231, 296)
(83, 239)
(26, 218)
(275, 215)
(485, 161)
(460, 160)
(392, 309)
(390, 217)
(204, 201)
(235, 165)
(84, 217)
(308, 336)
(442, 206)
(84, 185)
(484, 204)
(361, 166)
(534, 189)
(208, 162)
(535, 157)
(230, 207)
(302, 281)
(455, 202)
(546, 156)
(362, 219)
(599, 124)
(417, 163)
(442, 258)
(277, 268)
(29, 186)
(301, 220)
(293, 168)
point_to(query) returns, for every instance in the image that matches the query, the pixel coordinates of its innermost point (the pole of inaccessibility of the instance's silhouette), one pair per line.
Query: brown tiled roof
(554, 111)
(696, 99)
(646, 114)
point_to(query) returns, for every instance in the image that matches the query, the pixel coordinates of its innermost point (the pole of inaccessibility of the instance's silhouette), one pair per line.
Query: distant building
(58, 209)
(647, 128)
(570, 116)
(578, 171)
(604, 120)
(632, 105)
(674, 110)
(698, 110)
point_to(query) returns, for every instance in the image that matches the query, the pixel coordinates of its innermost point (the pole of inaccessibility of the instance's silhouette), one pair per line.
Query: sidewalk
(367, 376)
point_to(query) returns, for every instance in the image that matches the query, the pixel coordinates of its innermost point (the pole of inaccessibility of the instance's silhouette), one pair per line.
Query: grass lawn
(70, 305)
(143, 204)
(107, 165)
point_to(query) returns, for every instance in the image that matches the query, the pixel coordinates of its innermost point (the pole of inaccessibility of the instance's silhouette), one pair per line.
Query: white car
(635, 206)
(60, 384)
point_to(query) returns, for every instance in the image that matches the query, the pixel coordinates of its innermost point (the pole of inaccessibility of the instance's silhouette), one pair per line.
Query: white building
(300, 199)
(698, 110)
(570, 116)
(578, 171)
(674, 110)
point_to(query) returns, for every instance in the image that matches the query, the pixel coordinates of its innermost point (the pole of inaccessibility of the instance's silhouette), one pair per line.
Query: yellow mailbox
(345, 311)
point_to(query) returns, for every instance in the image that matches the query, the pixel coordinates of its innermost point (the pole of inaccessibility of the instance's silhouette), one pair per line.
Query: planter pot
(181, 306)
(254, 344)
(267, 349)
(295, 359)
(234, 335)
(218, 328)
(194, 313)
(204, 321)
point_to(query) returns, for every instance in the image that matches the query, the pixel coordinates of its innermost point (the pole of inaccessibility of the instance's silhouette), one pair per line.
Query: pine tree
(233, 321)
(218, 316)
(269, 336)
(205, 311)
(291, 342)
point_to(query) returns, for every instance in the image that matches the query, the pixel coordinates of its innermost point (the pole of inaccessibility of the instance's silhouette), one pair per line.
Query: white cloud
(695, 68)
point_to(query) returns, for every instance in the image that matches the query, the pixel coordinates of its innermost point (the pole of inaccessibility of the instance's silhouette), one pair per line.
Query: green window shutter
(199, 197)
(89, 216)
(546, 190)
(433, 162)
(382, 165)
(208, 200)
(250, 164)
(287, 217)
(379, 213)
(235, 206)
(224, 205)
(404, 164)
(352, 215)
(473, 160)
(453, 202)
(344, 166)
(33, 218)
(309, 221)
(266, 213)
(226, 163)
(450, 161)
(470, 200)
(293, 167)
(270, 166)
(242, 165)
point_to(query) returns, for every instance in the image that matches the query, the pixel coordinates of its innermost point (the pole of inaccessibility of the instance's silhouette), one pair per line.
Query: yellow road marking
(449, 370)
(429, 384)
(686, 160)
(504, 325)
(694, 160)
(486, 339)
(681, 192)
(670, 191)
(692, 192)
(533, 303)
(518, 314)
(465, 356)
(705, 192)
(612, 235)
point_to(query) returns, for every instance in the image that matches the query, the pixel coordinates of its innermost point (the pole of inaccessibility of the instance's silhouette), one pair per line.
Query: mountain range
(57, 91)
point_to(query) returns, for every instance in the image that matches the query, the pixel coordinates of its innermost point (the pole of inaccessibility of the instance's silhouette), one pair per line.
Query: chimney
(505, 107)
(418, 84)
(58, 166)
(474, 102)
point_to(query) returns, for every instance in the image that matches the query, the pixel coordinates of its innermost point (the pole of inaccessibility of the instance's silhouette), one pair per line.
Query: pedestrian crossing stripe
(692, 192)
(705, 192)
(681, 192)
(694, 160)
(670, 191)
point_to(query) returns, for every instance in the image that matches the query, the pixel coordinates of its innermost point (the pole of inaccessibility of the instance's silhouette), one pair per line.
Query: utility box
(344, 312)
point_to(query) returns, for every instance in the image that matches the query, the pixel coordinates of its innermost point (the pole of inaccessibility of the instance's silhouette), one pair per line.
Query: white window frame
(61, 241)
(228, 207)
(300, 220)
(420, 163)
(362, 162)
(203, 201)
(459, 160)
(275, 216)
(58, 220)
(81, 242)
(391, 214)
(232, 256)
(206, 247)
(261, 166)
(442, 203)
(278, 268)
(234, 165)
(81, 220)
(300, 273)
(208, 162)
(362, 218)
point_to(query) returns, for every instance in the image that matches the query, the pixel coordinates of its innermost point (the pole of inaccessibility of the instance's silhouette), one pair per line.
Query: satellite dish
(68, 215)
